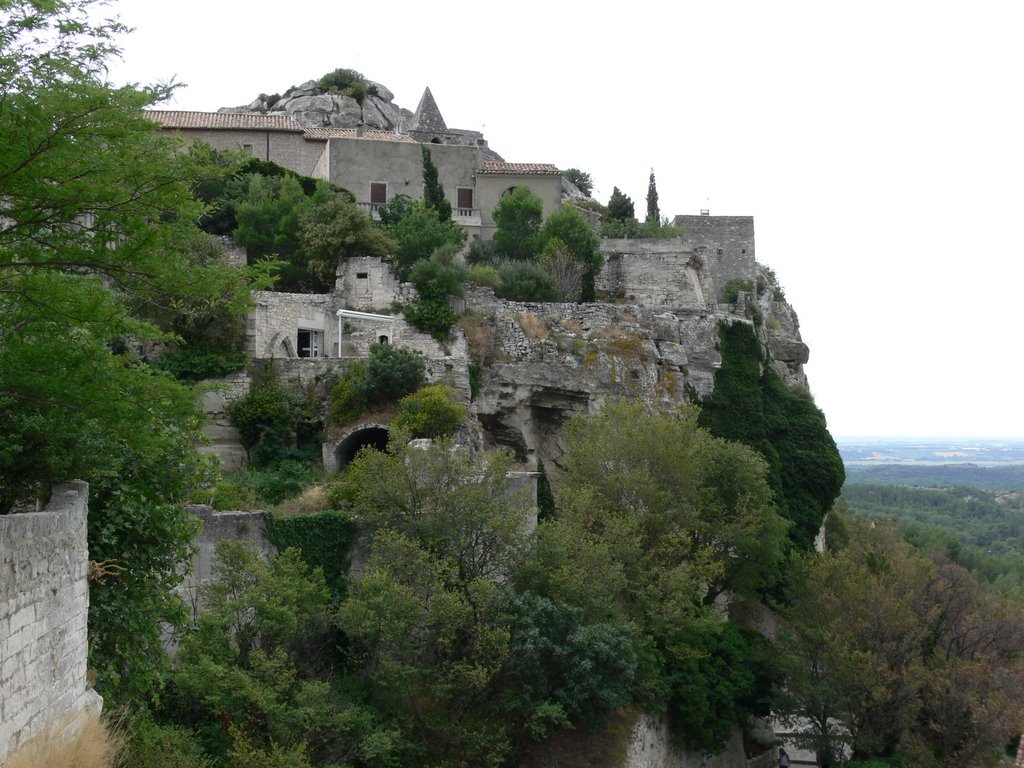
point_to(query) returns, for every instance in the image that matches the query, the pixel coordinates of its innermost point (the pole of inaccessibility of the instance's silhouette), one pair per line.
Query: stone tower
(427, 124)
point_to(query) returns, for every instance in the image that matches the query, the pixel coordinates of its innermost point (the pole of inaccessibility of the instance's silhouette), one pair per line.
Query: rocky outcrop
(542, 363)
(312, 107)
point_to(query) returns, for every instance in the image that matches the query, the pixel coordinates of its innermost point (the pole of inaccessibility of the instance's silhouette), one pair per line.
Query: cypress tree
(433, 192)
(653, 213)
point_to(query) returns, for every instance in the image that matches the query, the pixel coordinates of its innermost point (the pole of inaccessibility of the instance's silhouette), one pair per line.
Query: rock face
(311, 107)
(543, 363)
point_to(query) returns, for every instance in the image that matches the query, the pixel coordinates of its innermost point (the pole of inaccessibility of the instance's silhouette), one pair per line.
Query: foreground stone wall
(44, 603)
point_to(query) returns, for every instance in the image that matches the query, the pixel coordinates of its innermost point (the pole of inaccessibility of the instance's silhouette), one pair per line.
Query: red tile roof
(520, 169)
(223, 120)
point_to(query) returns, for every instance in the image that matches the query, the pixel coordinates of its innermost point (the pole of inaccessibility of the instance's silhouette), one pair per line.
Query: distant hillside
(991, 520)
(1006, 477)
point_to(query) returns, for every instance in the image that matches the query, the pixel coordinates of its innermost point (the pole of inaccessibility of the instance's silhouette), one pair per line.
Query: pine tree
(433, 192)
(653, 213)
(620, 206)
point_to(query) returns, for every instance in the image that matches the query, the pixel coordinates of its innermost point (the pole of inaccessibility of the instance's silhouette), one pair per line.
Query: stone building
(377, 165)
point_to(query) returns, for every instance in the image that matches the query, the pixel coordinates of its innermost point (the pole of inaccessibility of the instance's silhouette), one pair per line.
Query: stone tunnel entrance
(338, 453)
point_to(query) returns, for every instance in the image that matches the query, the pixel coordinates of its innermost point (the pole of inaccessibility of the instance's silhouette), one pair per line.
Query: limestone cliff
(542, 363)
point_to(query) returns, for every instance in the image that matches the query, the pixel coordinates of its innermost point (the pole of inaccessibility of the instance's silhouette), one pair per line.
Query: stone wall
(225, 440)
(651, 746)
(726, 243)
(290, 149)
(44, 602)
(656, 273)
(356, 162)
(246, 527)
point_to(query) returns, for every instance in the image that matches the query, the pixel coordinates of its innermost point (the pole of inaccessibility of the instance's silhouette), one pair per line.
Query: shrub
(484, 274)
(733, 288)
(348, 397)
(482, 252)
(263, 416)
(256, 487)
(433, 316)
(526, 281)
(348, 82)
(618, 228)
(151, 745)
(392, 372)
(195, 363)
(430, 412)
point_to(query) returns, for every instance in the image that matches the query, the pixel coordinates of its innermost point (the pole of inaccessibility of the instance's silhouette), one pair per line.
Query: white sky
(879, 146)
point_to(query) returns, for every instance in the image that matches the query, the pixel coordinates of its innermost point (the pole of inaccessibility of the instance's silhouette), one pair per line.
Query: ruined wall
(656, 273)
(225, 440)
(726, 243)
(246, 527)
(367, 284)
(44, 602)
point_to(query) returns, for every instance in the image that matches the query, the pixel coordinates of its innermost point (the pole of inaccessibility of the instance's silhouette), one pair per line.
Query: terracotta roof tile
(223, 120)
(520, 169)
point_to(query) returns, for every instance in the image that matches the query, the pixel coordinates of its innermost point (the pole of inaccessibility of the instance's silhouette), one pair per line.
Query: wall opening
(383, 339)
(375, 436)
(310, 343)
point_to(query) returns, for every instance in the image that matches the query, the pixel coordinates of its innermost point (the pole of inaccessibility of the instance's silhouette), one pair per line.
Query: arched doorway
(338, 453)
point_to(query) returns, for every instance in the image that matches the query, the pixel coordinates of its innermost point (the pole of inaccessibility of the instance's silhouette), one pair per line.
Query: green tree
(567, 228)
(432, 411)
(581, 179)
(97, 221)
(418, 233)
(433, 192)
(519, 215)
(331, 229)
(620, 206)
(653, 212)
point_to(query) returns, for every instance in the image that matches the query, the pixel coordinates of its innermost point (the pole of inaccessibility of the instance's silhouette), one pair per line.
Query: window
(383, 340)
(378, 193)
(464, 197)
(362, 275)
(719, 251)
(310, 343)
(247, 149)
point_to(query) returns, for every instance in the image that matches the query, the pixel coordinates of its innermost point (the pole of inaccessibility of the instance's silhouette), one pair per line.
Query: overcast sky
(879, 146)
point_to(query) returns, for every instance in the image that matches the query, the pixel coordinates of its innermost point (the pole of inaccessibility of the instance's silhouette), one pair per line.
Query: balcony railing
(467, 217)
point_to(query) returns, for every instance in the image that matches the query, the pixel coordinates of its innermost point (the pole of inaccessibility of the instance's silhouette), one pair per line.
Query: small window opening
(435, 140)
(383, 340)
(247, 149)
(378, 192)
(363, 275)
(744, 250)
(719, 251)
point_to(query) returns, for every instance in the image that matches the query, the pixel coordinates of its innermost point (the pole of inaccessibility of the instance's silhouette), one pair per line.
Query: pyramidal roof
(428, 117)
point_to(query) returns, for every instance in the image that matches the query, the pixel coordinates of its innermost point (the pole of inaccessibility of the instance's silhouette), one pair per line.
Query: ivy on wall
(323, 538)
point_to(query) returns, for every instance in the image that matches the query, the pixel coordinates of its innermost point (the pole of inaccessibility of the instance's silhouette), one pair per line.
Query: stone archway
(282, 340)
(338, 453)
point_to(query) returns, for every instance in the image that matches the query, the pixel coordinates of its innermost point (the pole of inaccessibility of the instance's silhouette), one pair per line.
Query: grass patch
(92, 745)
